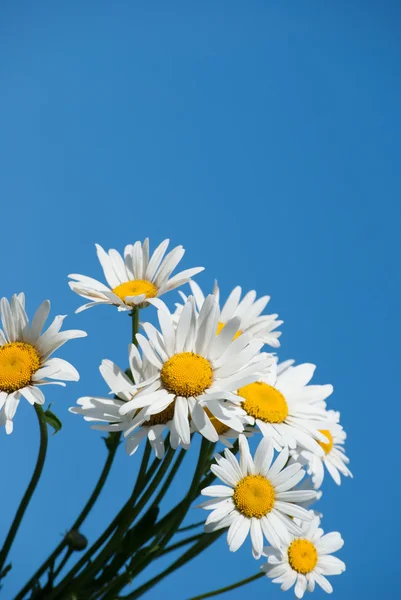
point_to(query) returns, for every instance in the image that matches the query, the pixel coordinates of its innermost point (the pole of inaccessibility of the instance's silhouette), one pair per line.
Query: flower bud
(75, 540)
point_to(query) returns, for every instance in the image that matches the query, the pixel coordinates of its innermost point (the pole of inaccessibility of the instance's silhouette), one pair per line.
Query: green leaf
(52, 420)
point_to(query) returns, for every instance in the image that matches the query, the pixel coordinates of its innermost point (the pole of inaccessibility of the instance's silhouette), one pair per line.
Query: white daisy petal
(331, 542)
(263, 456)
(256, 538)
(9, 325)
(181, 278)
(107, 267)
(33, 394)
(169, 264)
(300, 586)
(116, 379)
(225, 476)
(331, 565)
(203, 423)
(237, 532)
(118, 265)
(156, 259)
(231, 304)
(217, 490)
(322, 581)
(181, 421)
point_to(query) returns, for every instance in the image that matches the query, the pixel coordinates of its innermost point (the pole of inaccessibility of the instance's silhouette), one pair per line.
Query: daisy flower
(257, 498)
(248, 310)
(333, 458)
(25, 353)
(105, 411)
(195, 370)
(285, 408)
(305, 560)
(134, 280)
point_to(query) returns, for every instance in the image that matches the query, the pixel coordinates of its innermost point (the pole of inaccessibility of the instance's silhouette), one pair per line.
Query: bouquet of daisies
(202, 380)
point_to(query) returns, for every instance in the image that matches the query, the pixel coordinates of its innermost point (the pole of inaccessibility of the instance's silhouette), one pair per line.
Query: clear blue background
(263, 136)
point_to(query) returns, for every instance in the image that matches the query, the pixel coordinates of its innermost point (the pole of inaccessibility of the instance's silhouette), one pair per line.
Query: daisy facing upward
(196, 371)
(248, 310)
(135, 280)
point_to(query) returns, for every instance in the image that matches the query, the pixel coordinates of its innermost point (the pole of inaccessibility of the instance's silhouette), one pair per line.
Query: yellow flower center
(137, 287)
(326, 447)
(186, 374)
(162, 417)
(18, 362)
(302, 556)
(264, 402)
(254, 496)
(218, 425)
(220, 327)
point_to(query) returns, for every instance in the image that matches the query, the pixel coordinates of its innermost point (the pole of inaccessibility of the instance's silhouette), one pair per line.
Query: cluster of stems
(135, 538)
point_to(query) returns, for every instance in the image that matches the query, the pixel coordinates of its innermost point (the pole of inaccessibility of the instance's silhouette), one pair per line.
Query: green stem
(30, 489)
(114, 440)
(189, 540)
(135, 324)
(188, 527)
(228, 588)
(152, 469)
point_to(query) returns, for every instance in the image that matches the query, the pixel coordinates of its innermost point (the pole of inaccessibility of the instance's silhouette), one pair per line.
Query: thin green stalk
(63, 562)
(135, 324)
(228, 588)
(188, 527)
(30, 489)
(112, 445)
(152, 469)
(189, 540)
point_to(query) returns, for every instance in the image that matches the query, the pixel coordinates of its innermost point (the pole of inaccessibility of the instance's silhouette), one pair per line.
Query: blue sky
(264, 137)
